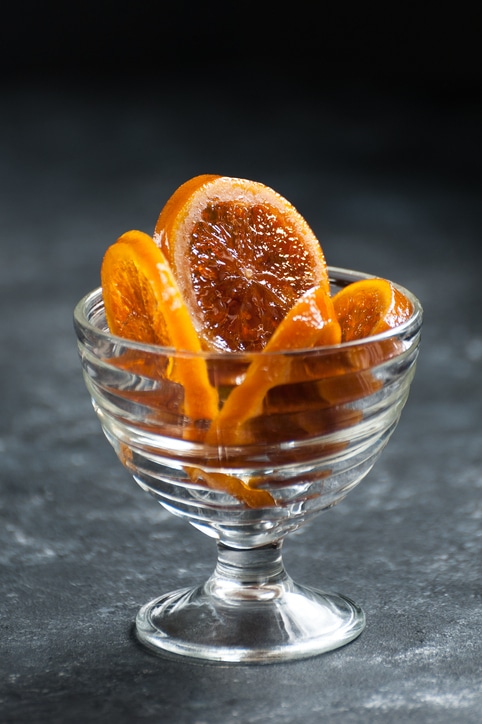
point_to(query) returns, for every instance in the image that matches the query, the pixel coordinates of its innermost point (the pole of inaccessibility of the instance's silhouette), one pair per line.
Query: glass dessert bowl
(312, 435)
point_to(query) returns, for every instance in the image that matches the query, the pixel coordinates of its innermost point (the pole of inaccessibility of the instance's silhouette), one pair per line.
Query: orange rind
(143, 303)
(252, 497)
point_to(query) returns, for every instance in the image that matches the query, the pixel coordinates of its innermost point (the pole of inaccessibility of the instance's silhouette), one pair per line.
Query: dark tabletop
(390, 182)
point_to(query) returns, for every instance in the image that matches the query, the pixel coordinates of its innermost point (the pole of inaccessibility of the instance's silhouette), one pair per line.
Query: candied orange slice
(368, 307)
(143, 303)
(311, 322)
(242, 255)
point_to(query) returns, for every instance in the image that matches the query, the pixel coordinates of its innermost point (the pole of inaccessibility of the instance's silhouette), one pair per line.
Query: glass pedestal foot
(249, 618)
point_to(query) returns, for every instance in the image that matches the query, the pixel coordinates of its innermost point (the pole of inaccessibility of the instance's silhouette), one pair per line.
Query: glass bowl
(314, 433)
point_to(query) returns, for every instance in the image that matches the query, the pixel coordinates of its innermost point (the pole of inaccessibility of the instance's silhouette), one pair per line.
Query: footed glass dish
(311, 437)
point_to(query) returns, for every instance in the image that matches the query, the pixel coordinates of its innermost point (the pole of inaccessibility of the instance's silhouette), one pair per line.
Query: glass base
(252, 621)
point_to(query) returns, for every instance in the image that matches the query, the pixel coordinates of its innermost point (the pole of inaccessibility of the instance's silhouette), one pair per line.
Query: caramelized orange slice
(143, 303)
(368, 307)
(242, 255)
(309, 323)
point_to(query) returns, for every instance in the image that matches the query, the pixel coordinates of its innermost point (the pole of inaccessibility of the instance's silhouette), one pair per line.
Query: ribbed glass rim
(336, 275)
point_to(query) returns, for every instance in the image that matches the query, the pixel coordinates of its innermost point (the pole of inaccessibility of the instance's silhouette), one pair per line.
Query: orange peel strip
(310, 323)
(143, 303)
(252, 497)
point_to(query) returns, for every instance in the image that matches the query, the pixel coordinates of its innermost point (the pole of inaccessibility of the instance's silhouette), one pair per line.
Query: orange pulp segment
(242, 255)
(143, 303)
(309, 323)
(368, 307)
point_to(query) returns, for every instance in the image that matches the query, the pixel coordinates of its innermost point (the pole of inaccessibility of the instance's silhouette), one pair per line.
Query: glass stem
(253, 574)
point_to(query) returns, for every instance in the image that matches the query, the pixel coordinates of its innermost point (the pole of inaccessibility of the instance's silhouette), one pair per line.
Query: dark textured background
(370, 124)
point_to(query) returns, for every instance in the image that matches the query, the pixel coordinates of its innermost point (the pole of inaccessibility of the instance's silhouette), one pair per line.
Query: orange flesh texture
(368, 307)
(310, 322)
(242, 255)
(143, 303)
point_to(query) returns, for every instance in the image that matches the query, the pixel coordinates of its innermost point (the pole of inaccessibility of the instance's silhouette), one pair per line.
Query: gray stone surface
(391, 185)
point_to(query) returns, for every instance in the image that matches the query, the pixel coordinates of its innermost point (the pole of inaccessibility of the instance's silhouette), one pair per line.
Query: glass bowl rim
(413, 324)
